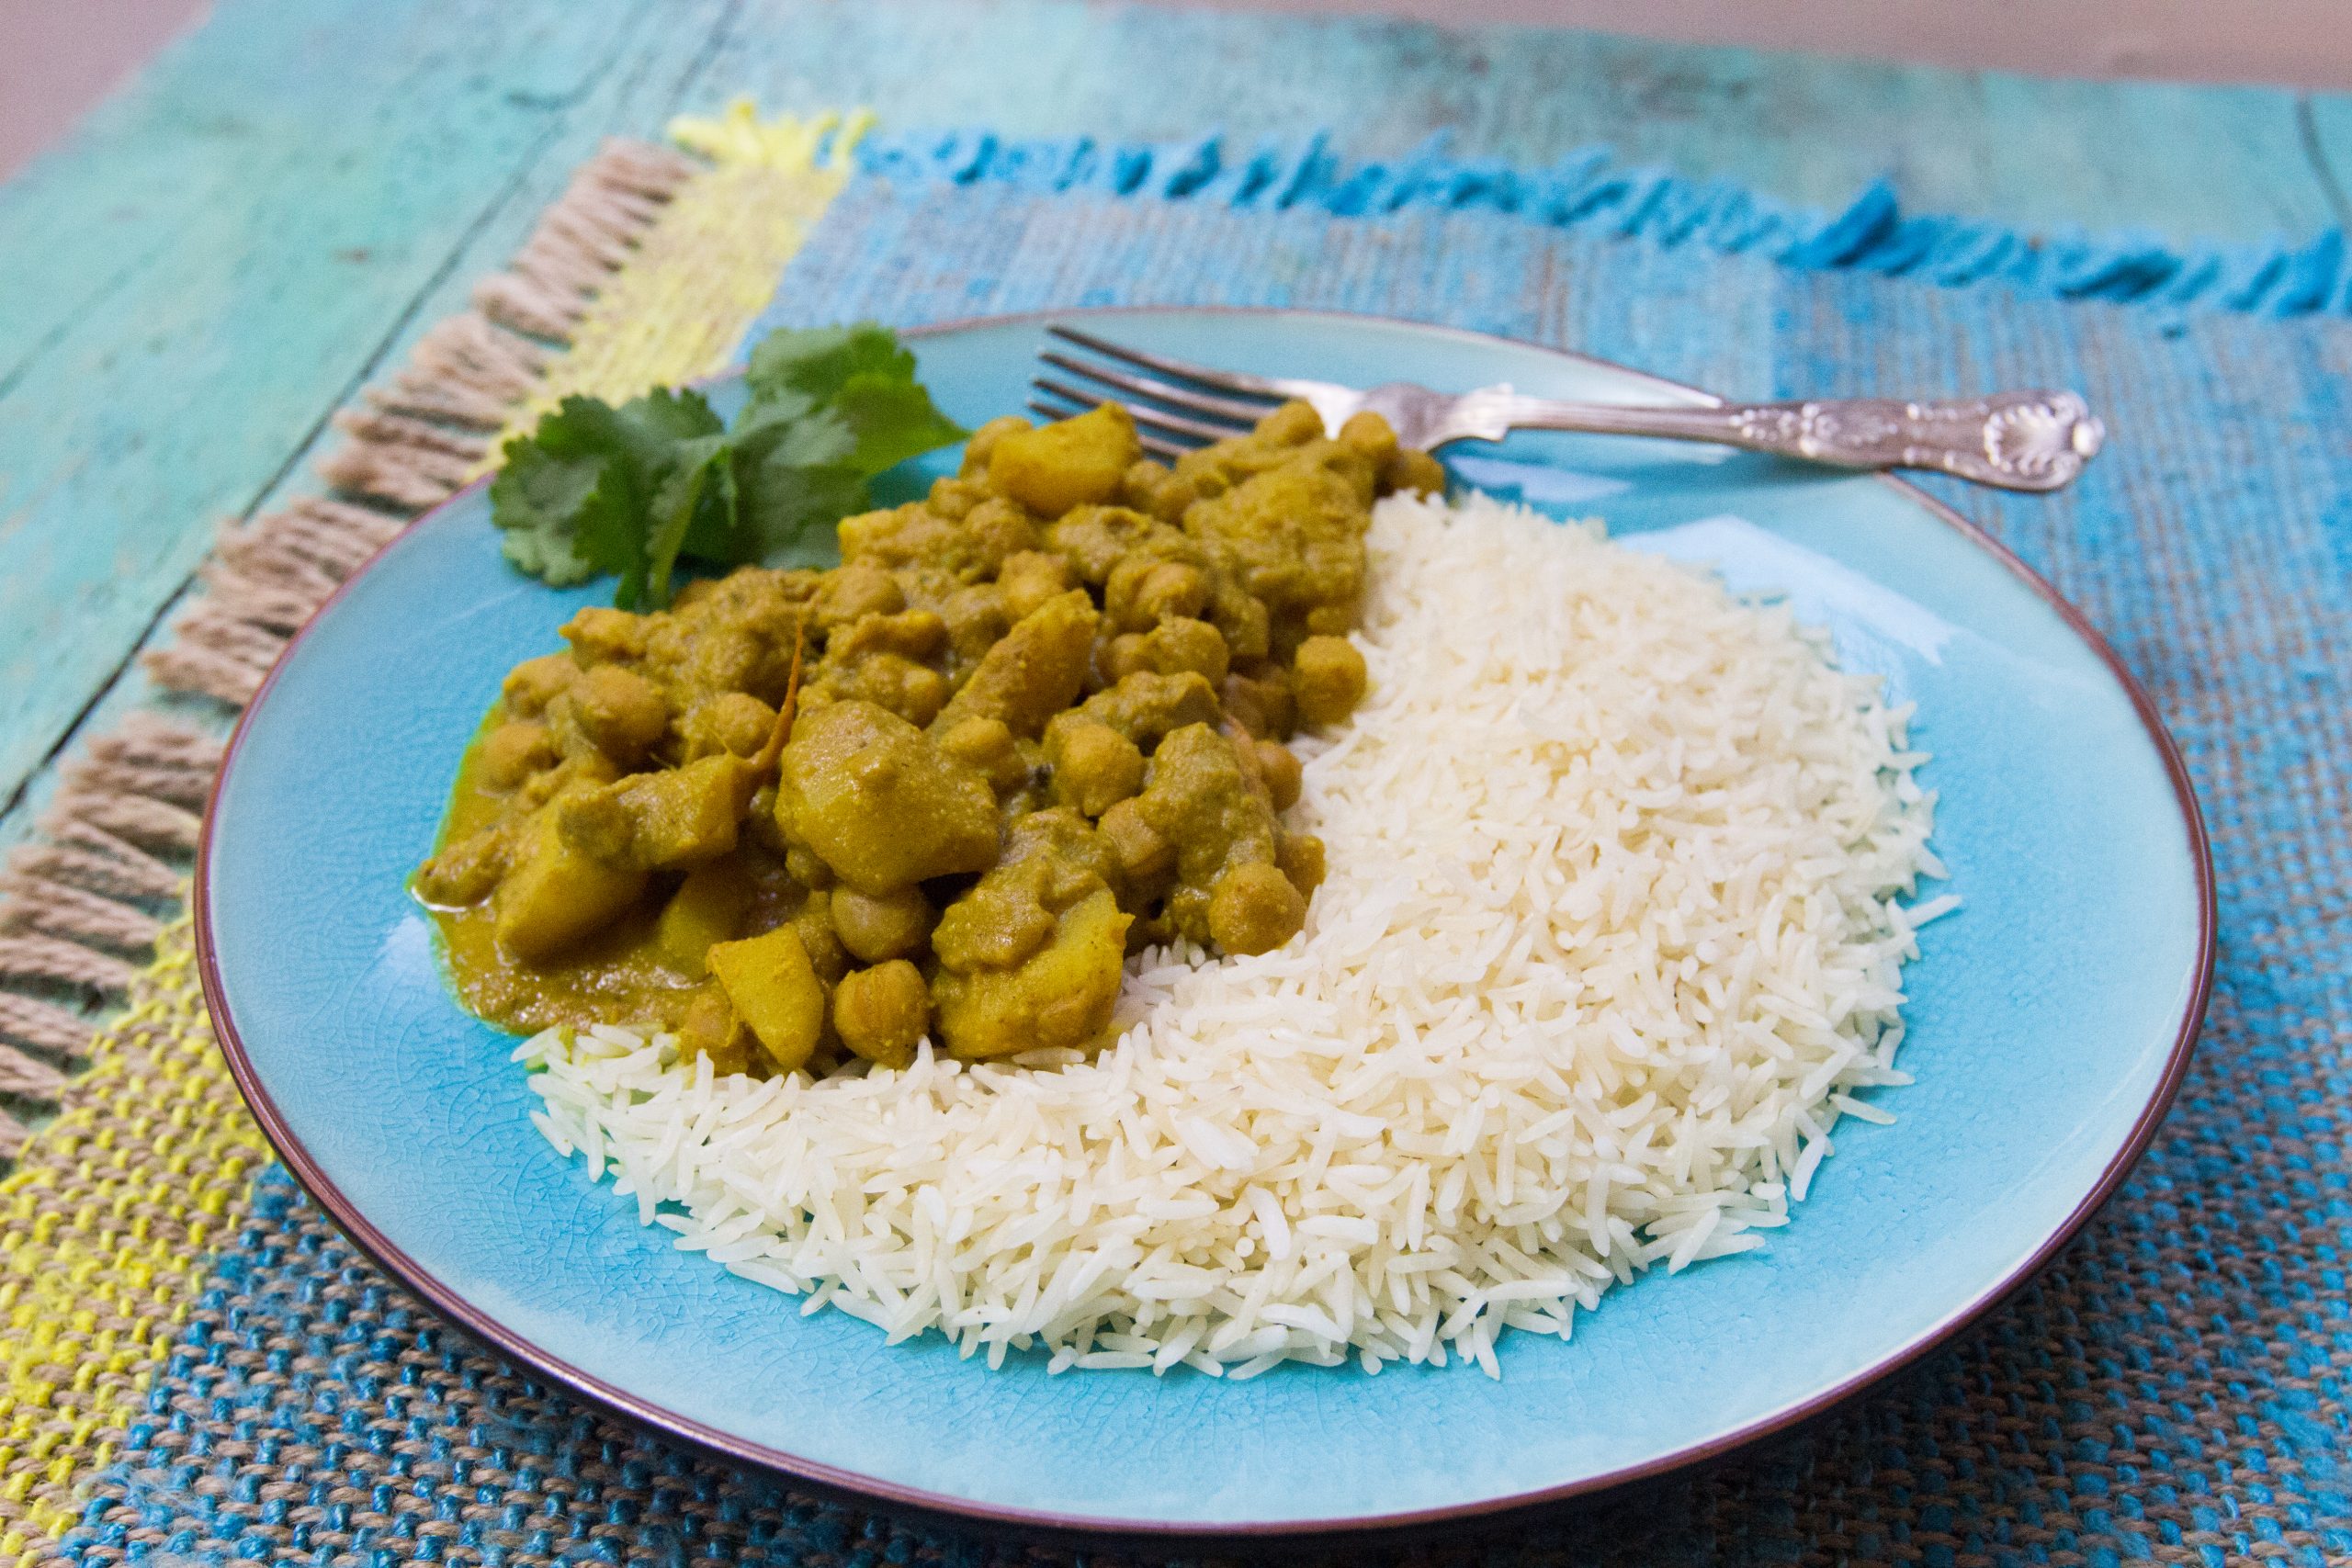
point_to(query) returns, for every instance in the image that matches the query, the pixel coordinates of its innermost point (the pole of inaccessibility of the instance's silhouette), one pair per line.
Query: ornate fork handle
(2035, 441)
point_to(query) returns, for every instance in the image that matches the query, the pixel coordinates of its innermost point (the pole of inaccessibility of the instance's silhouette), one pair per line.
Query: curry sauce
(1031, 724)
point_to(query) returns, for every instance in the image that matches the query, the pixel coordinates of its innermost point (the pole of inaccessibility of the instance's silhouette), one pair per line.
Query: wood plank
(2327, 146)
(356, 171)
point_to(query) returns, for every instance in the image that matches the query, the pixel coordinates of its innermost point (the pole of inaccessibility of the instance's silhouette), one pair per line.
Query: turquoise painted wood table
(267, 217)
(197, 1368)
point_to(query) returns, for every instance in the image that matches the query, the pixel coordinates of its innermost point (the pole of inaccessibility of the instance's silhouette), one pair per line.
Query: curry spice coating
(1031, 724)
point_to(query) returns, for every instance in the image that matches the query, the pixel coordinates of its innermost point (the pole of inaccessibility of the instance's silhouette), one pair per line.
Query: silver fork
(2031, 441)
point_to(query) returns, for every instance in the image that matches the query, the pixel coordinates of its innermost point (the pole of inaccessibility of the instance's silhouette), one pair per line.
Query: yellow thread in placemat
(116, 1209)
(106, 1228)
(709, 266)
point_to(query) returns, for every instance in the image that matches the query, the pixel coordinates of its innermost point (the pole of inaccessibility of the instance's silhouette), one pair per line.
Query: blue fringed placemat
(2172, 1388)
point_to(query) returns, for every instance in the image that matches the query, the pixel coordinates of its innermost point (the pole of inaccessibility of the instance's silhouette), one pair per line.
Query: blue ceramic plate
(2050, 1021)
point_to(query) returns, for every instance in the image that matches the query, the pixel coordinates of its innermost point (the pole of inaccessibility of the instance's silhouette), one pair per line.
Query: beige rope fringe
(83, 903)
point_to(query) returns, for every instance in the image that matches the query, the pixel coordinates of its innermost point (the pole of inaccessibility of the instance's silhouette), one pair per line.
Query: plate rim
(482, 1325)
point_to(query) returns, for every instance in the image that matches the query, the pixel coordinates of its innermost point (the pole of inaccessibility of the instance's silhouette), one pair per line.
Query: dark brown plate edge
(962, 1513)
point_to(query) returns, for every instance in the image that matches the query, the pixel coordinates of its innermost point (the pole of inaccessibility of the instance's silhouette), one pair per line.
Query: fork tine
(1219, 380)
(1145, 415)
(1241, 416)
(1157, 446)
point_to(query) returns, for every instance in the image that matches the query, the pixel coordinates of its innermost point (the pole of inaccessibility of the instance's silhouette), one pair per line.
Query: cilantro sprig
(636, 489)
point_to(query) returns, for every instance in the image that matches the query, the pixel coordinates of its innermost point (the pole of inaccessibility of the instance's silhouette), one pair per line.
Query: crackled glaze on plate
(2050, 1021)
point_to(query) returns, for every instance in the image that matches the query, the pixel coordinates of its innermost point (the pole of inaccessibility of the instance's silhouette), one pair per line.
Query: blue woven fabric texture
(1592, 190)
(2174, 1388)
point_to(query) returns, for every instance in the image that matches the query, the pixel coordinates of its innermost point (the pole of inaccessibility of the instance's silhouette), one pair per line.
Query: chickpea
(976, 619)
(998, 527)
(515, 750)
(1152, 489)
(709, 1028)
(954, 499)
(536, 682)
(732, 721)
(914, 691)
(987, 745)
(1241, 619)
(1029, 578)
(591, 767)
(883, 1013)
(1330, 677)
(1146, 859)
(1095, 767)
(1301, 856)
(1293, 424)
(982, 443)
(1416, 471)
(1260, 701)
(621, 711)
(1372, 435)
(814, 925)
(599, 635)
(1254, 909)
(465, 873)
(876, 927)
(1127, 654)
(1180, 644)
(910, 634)
(1172, 588)
(1140, 592)
(1279, 767)
(854, 591)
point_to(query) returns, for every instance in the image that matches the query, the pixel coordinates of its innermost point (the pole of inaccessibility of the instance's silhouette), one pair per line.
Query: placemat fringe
(465, 371)
(1592, 189)
(89, 889)
(65, 910)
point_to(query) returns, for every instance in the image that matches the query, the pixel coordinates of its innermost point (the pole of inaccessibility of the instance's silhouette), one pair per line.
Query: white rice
(1608, 944)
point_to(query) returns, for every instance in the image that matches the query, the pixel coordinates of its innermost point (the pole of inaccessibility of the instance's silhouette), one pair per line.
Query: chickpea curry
(1030, 724)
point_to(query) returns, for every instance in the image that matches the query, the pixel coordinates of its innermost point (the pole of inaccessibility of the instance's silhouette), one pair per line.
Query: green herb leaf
(817, 362)
(687, 481)
(637, 490)
(892, 420)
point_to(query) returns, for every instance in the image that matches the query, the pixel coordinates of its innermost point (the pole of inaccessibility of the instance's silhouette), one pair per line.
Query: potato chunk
(555, 895)
(1035, 670)
(776, 990)
(706, 909)
(1076, 462)
(881, 806)
(1060, 995)
(655, 821)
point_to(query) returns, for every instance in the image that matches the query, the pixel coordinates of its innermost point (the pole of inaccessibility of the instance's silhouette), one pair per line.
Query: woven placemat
(119, 1213)
(201, 1369)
